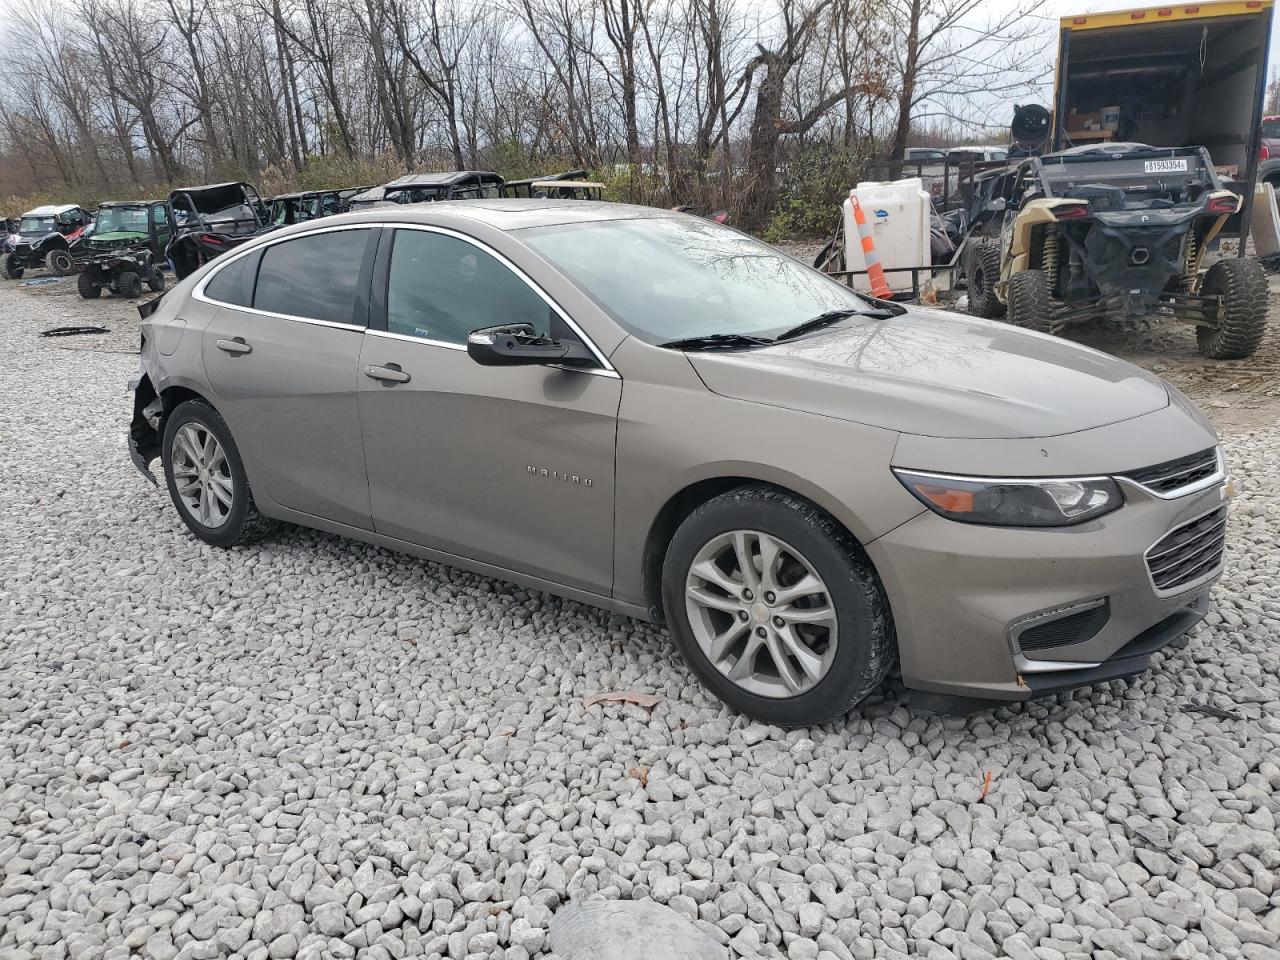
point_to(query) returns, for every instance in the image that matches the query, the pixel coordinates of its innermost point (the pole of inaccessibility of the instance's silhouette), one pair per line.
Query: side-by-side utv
(125, 250)
(1117, 231)
(208, 221)
(43, 239)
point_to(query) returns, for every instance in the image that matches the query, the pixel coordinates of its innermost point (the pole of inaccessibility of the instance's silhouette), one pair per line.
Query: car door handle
(235, 346)
(391, 373)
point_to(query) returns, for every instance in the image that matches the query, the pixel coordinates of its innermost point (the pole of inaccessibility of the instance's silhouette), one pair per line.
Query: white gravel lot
(315, 748)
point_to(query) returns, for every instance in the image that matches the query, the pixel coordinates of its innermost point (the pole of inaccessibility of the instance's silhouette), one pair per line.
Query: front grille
(1073, 628)
(1175, 474)
(1187, 553)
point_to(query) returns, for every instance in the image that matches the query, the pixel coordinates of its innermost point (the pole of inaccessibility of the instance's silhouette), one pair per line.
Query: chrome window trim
(1203, 578)
(1219, 476)
(228, 258)
(605, 365)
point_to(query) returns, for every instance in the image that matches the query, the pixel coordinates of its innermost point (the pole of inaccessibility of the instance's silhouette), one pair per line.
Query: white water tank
(897, 213)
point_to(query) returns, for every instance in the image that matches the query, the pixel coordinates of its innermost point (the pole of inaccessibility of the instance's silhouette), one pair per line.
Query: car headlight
(1013, 502)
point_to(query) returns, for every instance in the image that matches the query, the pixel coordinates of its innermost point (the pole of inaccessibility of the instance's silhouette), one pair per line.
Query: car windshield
(36, 224)
(121, 220)
(673, 278)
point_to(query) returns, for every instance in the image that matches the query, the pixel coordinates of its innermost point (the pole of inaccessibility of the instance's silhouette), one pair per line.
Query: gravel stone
(315, 748)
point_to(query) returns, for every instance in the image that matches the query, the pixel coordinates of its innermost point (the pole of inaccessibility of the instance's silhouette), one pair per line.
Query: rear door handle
(235, 346)
(391, 373)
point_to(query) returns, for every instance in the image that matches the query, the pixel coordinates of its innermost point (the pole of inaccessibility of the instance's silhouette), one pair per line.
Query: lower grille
(1188, 553)
(1173, 475)
(1073, 628)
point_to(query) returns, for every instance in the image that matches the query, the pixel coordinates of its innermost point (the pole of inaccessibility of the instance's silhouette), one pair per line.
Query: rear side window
(233, 283)
(442, 288)
(314, 277)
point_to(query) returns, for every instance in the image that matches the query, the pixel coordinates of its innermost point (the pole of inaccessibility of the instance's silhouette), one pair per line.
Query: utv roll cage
(304, 205)
(453, 185)
(568, 185)
(208, 221)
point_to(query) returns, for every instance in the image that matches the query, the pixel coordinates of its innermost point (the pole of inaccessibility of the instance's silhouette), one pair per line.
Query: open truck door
(1189, 75)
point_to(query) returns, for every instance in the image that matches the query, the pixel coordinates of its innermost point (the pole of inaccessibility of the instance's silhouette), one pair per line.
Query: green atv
(125, 250)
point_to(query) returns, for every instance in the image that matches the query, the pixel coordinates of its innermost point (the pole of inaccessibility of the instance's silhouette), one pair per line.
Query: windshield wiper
(828, 318)
(717, 341)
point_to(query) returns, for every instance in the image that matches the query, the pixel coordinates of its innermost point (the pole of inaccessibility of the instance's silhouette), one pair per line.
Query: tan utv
(1117, 231)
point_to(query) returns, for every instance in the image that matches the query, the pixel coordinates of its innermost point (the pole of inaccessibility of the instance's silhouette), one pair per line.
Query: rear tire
(128, 284)
(1242, 284)
(1029, 304)
(155, 280)
(13, 268)
(984, 273)
(836, 667)
(87, 287)
(60, 263)
(224, 525)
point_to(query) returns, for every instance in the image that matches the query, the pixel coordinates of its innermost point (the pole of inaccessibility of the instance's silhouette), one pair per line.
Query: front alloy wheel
(761, 613)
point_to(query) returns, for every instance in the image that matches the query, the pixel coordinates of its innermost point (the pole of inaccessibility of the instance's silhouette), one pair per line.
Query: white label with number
(1167, 166)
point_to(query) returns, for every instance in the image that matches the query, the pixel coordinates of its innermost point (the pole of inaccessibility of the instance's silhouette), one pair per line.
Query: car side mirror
(518, 344)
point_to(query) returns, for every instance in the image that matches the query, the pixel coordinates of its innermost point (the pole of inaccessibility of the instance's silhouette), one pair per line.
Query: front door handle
(391, 373)
(236, 346)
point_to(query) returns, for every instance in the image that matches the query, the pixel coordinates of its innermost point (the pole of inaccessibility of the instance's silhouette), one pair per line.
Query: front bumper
(963, 597)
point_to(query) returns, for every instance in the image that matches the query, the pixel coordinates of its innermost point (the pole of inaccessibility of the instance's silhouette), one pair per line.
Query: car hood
(117, 235)
(940, 375)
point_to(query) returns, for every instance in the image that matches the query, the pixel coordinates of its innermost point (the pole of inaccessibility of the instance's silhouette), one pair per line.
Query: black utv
(210, 220)
(289, 208)
(125, 250)
(43, 239)
(1118, 231)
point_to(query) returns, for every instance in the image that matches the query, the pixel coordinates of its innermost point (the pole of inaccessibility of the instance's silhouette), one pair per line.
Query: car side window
(313, 277)
(442, 288)
(233, 283)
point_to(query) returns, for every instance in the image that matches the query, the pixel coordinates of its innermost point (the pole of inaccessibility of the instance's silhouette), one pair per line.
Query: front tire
(87, 287)
(984, 273)
(13, 268)
(776, 608)
(60, 263)
(1029, 305)
(1242, 284)
(206, 478)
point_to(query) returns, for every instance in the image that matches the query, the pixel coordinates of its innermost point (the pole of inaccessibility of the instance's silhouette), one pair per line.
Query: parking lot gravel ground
(315, 748)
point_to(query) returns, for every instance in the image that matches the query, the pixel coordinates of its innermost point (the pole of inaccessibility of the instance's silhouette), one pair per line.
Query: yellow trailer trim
(1183, 11)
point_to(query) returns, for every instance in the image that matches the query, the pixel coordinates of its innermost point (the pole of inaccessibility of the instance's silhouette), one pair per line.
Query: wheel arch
(694, 494)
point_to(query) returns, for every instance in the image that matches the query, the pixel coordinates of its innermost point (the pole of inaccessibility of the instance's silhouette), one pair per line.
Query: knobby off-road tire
(1029, 305)
(155, 280)
(1242, 284)
(11, 268)
(983, 270)
(242, 523)
(865, 646)
(128, 284)
(88, 289)
(60, 263)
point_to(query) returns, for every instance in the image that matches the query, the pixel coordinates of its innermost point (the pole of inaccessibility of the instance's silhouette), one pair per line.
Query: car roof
(50, 210)
(508, 214)
(441, 179)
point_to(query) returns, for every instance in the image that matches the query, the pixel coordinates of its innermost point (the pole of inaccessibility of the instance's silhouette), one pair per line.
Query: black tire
(866, 648)
(87, 287)
(983, 271)
(244, 523)
(60, 263)
(128, 284)
(155, 280)
(1242, 284)
(13, 268)
(1029, 304)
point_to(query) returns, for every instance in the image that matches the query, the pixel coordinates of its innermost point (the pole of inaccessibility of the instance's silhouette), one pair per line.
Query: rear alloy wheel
(87, 287)
(984, 273)
(155, 280)
(1242, 284)
(59, 263)
(13, 268)
(128, 284)
(206, 478)
(1029, 305)
(776, 608)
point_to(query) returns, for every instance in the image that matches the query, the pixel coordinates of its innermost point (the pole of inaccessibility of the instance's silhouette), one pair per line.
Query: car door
(511, 466)
(281, 354)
